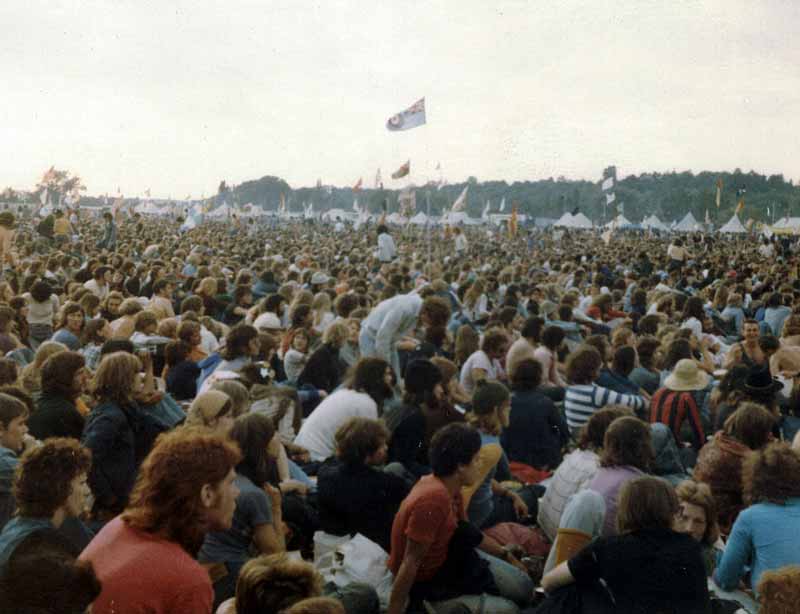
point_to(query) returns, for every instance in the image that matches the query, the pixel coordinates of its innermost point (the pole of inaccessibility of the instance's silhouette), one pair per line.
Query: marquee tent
(687, 224)
(733, 226)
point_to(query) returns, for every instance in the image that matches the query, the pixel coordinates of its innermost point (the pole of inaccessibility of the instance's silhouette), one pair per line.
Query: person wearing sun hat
(674, 404)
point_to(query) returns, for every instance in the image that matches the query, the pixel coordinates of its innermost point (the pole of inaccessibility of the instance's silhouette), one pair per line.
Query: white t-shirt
(318, 430)
(479, 360)
(99, 291)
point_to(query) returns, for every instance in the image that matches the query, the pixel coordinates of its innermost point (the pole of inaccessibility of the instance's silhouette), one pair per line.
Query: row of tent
(687, 224)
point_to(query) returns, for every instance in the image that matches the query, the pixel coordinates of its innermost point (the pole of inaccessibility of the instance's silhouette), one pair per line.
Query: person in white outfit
(386, 247)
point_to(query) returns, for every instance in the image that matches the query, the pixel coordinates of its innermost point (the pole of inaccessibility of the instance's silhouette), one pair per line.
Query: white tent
(687, 224)
(654, 223)
(580, 221)
(564, 220)
(619, 222)
(733, 225)
(220, 212)
(420, 219)
(454, 218)
(396, 218)
(331, 215)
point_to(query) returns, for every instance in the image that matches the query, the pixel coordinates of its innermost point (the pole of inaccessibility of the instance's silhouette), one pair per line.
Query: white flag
(43, 197)
(503, 204)
(461, 201)
(486, 210)
(608, 184)
(606, 236)
(412, 117)
(355, 205)
(610, 198)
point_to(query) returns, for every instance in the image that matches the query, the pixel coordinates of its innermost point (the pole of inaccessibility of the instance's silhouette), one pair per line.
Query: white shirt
(461, 243)
(99, 291)
(318, 430)
(479, 360)
(386, 248)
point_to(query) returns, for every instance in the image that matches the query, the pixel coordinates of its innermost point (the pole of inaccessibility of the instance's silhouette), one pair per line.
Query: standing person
(7, 224)
(109, 240)
(145, 558)
(460, 242)
(43, 307)
(433, 554)
(387, 325)
(386, 247)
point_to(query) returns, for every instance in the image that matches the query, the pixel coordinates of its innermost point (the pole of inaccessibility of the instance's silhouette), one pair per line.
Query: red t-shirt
(143, 573)
(429, 515)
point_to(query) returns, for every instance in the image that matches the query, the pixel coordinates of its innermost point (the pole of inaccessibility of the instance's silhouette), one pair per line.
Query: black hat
(421, 377)
(760, 382)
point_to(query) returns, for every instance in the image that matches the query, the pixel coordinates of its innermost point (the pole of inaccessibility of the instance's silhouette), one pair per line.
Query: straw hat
(686, 376)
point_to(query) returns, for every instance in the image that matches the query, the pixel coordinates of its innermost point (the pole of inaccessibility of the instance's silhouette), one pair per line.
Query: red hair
(166, 497)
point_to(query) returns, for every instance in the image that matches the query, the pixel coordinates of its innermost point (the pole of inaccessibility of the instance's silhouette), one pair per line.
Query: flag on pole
(461, 201)
(719, 190)
(503, 204)
(708, 219)
(412, 117)
(608, 183)
(404, 170)
(740, 206)
(378, 182)
(610, 198)
(282, 209)
(512, 223)
(485, 214)
(357, 186)
(43, 197)
(355, 205)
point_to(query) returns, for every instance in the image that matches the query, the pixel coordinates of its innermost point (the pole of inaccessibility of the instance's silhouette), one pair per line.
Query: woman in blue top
(766, 535)
(258, 521)
(488, 501)
(70, 326)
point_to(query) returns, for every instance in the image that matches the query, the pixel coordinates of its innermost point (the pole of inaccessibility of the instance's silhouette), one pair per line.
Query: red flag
(402, 171)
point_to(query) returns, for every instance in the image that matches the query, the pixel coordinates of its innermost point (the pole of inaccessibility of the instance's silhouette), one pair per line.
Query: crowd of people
(546, 421)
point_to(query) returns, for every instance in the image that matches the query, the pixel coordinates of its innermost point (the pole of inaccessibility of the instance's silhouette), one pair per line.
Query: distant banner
(719, 191)
(402, 171)
(358, 184)
(412, 117)
(461, 201)
(608, 184)
(610, 198)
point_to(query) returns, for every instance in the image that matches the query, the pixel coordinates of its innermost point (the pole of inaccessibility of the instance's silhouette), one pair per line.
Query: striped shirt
(583, 400)
(673, 408)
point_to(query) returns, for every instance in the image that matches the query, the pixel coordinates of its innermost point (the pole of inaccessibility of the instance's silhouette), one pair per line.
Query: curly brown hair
(779, 590)
(771, 475)
(358, 438)
(166, 497)
(44, 476)
(583, 365)
(593, 433)
(272, 583)
(699, 494)
(627, 442)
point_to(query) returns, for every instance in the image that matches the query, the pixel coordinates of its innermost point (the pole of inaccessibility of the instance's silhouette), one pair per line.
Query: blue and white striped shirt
(583, 400)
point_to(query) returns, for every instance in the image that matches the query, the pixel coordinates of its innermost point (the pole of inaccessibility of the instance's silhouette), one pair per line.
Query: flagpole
(428, 225)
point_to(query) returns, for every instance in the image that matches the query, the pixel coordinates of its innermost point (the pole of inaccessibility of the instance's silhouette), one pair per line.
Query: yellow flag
(740, 206)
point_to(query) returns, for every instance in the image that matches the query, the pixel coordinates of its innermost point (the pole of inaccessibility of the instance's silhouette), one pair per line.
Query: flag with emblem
(412, 117)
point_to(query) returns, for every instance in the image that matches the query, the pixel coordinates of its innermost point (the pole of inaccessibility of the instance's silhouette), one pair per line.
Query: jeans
(516, 590)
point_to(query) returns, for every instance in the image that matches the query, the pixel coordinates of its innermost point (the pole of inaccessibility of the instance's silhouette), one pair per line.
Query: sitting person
(698, 518)
(363, 396)
(584, 397)
(144, 558)
(258, 519)
(433, 553)
(720, 461)
(647, 567)
(14, 440)
(537, 431)
(577, 469)
(766, 535)
(212, 410)
(182, 371)
(325, 369)
(488, 501)
(50, 488)
(64, 378)
(355, 495)
(627, 454)
(43, 577)
(675, 405)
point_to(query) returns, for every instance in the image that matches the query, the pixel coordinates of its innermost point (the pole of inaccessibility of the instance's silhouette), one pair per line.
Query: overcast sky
(175, 96)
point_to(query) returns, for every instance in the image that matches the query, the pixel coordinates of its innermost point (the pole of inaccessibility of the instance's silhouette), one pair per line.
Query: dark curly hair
(358, 438)
(771, 475)
(238, 340)
(44, 476)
